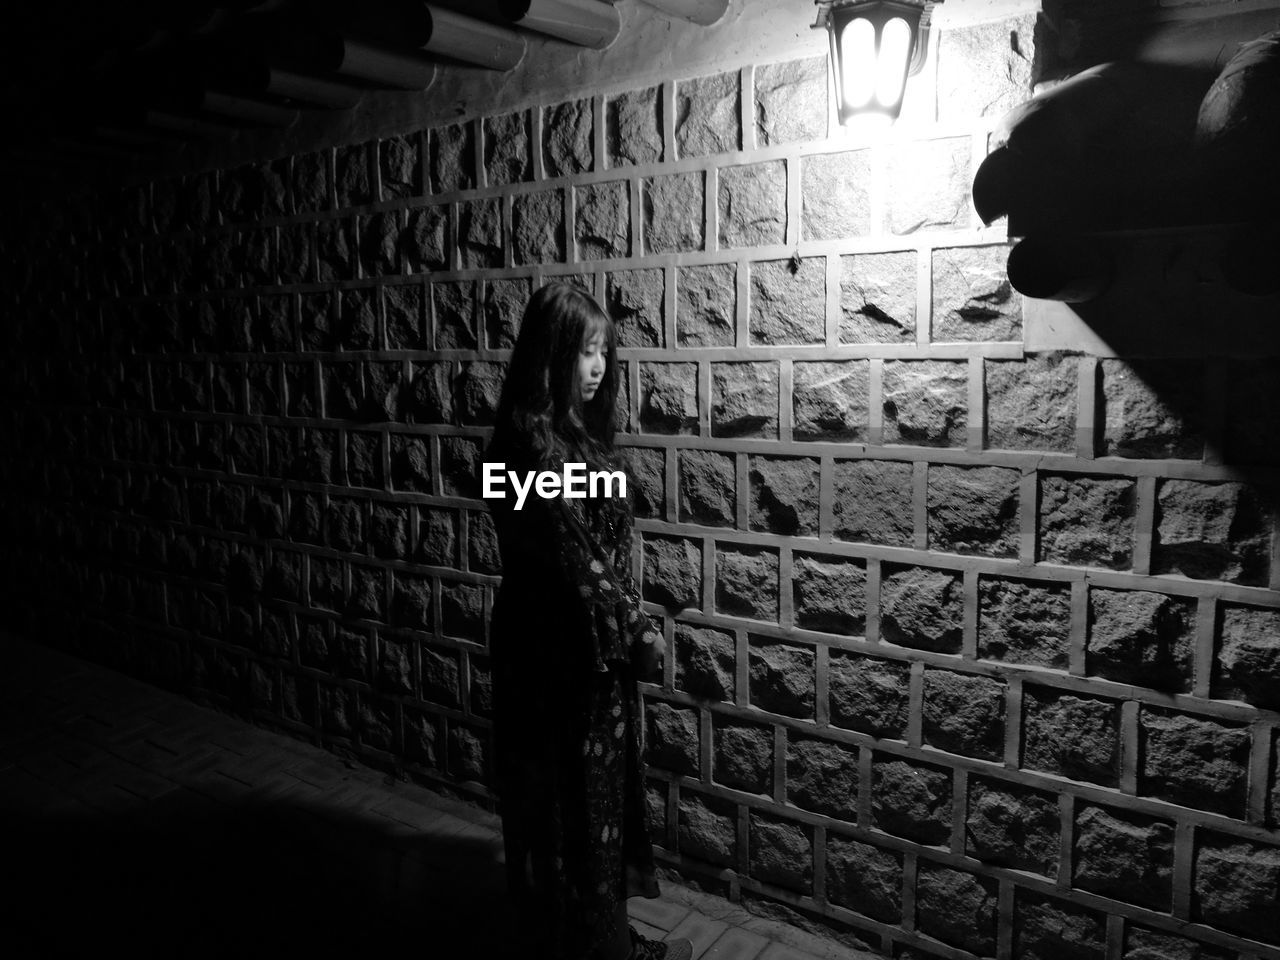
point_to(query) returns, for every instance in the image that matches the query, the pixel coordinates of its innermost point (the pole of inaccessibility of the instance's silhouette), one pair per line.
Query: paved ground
(136, 820)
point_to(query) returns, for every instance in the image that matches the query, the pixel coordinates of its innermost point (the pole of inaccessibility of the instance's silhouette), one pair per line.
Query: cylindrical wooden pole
(473, 41)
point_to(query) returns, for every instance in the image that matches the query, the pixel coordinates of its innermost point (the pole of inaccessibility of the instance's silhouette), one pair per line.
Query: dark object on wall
(1237, 147)
(1069, 269)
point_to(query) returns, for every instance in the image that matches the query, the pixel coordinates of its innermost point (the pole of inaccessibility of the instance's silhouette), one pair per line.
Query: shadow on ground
(184, 876)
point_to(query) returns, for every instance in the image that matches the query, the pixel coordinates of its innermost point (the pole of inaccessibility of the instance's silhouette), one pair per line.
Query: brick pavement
(139, 820)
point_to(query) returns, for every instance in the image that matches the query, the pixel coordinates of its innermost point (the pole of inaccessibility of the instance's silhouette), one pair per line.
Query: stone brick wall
(973, 652)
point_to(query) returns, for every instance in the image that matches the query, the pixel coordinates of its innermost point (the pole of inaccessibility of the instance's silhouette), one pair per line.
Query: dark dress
(567, 718)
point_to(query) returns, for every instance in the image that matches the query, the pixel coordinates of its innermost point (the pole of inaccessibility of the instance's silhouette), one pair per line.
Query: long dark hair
(542, 414)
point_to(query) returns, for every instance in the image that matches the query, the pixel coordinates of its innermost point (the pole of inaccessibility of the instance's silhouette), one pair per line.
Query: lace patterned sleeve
(614, 616)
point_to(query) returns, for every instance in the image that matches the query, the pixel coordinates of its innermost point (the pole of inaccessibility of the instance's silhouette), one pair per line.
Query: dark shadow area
(185, 876)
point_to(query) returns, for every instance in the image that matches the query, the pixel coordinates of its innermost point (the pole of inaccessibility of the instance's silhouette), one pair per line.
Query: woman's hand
(648, 653)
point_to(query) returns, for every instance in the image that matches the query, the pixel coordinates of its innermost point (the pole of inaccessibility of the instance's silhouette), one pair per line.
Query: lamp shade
(875, 45)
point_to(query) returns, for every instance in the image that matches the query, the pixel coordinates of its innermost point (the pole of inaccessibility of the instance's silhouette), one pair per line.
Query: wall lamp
(875, 46)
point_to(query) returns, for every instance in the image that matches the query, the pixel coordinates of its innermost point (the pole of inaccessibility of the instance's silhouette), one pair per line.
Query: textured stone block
(633, 127)
(972, 297)
(635, 300)
(1023, 622)
(872, 501)
(1031, 403)
(864, 878)
(672, 738)
(335, 253)
(780, 852)
(706, 305)
(431, 392)
(1049, 929)
(742, 756)
(708, 829)
(753, 204)
(1152, 408)
(351, 175)
(1124, 856)
(366, 598)
(504, 303)
(823, 777)
(1248, 665)
(403, 305)
(791, 101)
(483, 555)
(834, 195)
(317, 317)
(452, 149)
(788, 301)
(460, 459)
(828, 594)
(1143, 944)
(782, 678)
(708, 119)
(357, 319)
(829, 400)
(309, 179)
(1136, 636)
(1087, 521)
(704, 662)
(987, 68)
(1193, 761)
(669, 398)
(1212, 531)
(672, 572)
(364, 459)
(462, 610)
(566, 138)
(744, 399)
(411, 601)
(603, 218)
(454, 315)
(422, 736)
(911, 800)
(964, 714)
(974, 510)
(1073, 736)
(1253, 394)
(925, 402)
(295, 257)
(747, 582)
(1012, 826)
(438, 537)
(784, 495)
(645, 480)
(506, 148)
(468, 754)
(380, 244)
(929, 185)
(537, 227)
(1237, 884)
(399, 159)
(707, 488)
(480, 236)
(673, 212)
(957, 907)
(425, 241)
(479, 387)
(921, 608)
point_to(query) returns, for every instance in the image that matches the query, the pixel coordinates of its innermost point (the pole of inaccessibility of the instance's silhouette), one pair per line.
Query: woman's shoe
(642, 948)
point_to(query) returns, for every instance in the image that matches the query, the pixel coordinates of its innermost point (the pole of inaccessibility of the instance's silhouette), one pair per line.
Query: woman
(569, 640)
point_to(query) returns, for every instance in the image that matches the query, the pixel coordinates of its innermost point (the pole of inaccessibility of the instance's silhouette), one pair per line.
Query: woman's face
(592, 360)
